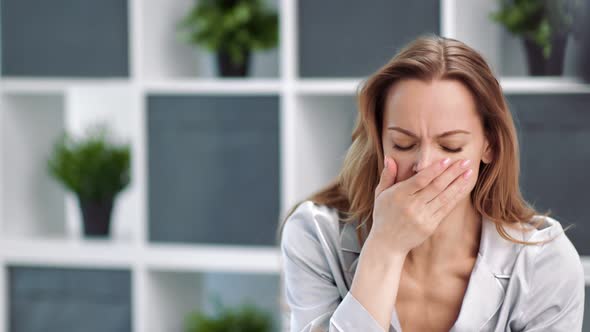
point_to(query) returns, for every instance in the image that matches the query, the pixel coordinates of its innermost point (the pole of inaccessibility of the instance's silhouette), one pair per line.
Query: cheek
(472, 180)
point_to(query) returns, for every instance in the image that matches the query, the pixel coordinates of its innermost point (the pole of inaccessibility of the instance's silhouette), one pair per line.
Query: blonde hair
(496, 194)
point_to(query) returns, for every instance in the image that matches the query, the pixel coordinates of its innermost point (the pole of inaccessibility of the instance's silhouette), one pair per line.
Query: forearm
(376, 281)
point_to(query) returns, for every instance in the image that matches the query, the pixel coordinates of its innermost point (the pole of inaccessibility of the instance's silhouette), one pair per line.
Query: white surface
(320, 152)
(170, 296)
(35, 228)
(32, 202)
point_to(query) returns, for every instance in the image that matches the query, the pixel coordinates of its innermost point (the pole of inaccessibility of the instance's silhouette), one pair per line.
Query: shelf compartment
(173, 295)
(324, 124)
(119, 109)
(358, 38)
(213, 165)
(554, 131)
(64, 39)
(31, 202)
(504, 52)
(66, 299)
(163, 56)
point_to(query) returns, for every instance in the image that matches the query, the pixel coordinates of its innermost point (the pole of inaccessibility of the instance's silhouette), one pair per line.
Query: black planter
(227, 68)
(538, 65)
(96, 216)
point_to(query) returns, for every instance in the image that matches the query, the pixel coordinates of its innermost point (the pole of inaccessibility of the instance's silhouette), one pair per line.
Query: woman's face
(425, 122)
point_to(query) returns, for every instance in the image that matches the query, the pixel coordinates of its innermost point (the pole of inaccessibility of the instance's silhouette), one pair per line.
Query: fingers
(424, 177)
(442, 204)
(388, 175)
(442, 181)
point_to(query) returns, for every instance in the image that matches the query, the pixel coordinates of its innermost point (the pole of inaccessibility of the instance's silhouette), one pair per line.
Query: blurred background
(150, 148)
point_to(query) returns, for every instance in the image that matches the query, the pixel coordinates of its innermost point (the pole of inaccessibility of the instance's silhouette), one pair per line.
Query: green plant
(538, 19)
(244, 318)
(92, 167)
(232, 26)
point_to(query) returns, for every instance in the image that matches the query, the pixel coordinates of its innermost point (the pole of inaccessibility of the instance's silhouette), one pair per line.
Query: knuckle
(438, 185)
(421, 181)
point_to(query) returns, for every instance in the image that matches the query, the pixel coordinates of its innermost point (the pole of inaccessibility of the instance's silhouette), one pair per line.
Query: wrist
(385, 249)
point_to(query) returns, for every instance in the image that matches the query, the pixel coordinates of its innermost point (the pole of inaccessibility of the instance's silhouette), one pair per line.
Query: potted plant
(544, 26)
(244, 318)
(232, 29)
(95, 170)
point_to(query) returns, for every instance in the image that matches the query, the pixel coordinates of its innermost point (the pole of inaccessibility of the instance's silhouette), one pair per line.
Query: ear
(487, 152)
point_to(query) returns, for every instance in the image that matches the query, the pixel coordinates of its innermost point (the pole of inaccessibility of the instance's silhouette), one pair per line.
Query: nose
(424, 158)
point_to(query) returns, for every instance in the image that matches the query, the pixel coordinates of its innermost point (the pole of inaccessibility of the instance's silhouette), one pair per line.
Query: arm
(311, 292)
(376, 281)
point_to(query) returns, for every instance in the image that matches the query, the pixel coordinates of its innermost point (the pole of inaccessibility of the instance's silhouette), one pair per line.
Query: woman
(427, 216)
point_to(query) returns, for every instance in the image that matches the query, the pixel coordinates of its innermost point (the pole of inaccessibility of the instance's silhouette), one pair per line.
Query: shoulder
(555, 265)
(556, 247)
(310, 241)
(311, 223)
(555, 281)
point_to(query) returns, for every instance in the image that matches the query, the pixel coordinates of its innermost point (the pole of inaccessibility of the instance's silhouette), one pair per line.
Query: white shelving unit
(40, 223)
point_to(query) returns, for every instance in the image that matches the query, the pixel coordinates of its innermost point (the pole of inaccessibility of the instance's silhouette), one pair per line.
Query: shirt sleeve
(555, 301)
(312, 296)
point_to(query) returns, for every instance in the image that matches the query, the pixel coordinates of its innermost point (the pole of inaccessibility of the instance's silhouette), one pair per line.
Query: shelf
(510, 85)
(543, 85)
(214, 160)
(321, 87)
(261, 86)
(214, 86)
(90, 253)
(213, 258)
(109, 253)
(32, 85)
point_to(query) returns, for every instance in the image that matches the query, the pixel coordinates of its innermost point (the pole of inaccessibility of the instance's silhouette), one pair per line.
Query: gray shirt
(512, 287)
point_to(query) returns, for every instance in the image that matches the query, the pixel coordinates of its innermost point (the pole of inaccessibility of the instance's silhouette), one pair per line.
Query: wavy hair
(496, 194)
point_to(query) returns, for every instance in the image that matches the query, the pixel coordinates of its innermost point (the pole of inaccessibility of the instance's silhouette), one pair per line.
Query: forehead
(430, 107)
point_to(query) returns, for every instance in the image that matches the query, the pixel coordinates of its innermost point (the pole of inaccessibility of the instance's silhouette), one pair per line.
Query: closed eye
(452, 150)
(403, 148)
(407, 148)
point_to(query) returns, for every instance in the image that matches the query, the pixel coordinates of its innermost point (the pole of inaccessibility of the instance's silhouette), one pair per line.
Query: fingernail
(467, 174)
(386, 162)
(445, 161)
(465, 162)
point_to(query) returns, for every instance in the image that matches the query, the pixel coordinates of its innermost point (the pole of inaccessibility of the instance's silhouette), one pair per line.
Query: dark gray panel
(354, 38)
(213, 169)
(235, 289)
(59, 299)
(64, 38)
(554, 134)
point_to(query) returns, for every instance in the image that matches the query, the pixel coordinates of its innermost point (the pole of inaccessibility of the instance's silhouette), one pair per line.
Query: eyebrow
(448, 133)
